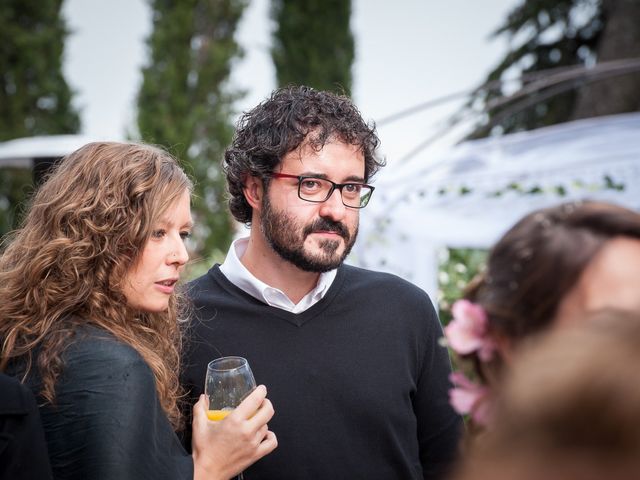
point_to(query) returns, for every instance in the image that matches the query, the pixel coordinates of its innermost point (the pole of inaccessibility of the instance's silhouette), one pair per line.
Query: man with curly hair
(351, 357)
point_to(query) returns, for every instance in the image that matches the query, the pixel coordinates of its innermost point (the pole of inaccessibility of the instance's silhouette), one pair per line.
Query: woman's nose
(179, 253)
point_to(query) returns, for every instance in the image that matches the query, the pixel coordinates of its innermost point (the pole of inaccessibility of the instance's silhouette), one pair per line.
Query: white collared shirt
(237, 273)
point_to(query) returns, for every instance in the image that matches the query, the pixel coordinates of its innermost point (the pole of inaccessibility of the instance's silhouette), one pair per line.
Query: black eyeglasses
(318, 190)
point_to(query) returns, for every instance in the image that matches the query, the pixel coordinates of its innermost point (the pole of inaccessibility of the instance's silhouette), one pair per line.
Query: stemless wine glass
(229, 380)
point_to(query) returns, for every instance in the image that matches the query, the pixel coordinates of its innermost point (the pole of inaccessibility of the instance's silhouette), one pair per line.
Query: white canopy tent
(469, 196)
(39, 153)
(22, 152)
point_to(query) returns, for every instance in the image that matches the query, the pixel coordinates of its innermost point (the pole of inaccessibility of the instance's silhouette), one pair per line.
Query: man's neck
(268, 267)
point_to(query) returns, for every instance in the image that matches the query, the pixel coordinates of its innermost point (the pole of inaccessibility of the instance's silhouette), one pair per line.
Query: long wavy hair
(65, 267)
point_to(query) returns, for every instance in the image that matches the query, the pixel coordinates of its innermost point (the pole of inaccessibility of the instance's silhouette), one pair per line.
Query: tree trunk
(620, 40)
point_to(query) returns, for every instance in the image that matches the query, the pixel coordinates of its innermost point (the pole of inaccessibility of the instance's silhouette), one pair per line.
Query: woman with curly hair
(90, 321)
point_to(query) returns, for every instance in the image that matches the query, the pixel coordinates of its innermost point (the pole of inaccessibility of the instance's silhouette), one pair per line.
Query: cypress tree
(34, 96)
(313, 44)
(185, 102)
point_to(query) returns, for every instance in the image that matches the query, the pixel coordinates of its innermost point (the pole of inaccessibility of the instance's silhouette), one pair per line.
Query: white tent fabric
(21, 151)
(470, 195)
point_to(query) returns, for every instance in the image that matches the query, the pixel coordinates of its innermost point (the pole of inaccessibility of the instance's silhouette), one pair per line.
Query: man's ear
(254, 191)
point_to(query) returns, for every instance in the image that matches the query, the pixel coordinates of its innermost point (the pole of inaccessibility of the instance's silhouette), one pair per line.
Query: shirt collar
(241, 277)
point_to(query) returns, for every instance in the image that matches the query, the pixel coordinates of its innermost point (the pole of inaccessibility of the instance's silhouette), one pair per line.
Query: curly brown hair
(64, 267)
(279, 125)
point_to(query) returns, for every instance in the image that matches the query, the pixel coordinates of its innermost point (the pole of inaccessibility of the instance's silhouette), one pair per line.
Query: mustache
(323, 224)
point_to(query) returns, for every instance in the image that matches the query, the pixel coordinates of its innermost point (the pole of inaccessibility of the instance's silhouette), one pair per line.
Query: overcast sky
(407, 52)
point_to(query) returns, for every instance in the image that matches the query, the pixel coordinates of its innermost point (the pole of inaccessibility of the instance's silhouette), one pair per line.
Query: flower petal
(461, 400)
(461, 338)
(467, 331)
(459, 379)
(471, 314)
(469, 398)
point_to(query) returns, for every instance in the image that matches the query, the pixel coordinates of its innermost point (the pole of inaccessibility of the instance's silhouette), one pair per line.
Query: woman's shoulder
(94, 352)
(90, 338)
(101, 343)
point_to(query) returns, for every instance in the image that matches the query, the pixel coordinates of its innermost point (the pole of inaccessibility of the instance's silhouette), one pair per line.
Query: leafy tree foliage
(551, 41)
(458, 266)
(185, 102)
(34, 96)
(313, 44)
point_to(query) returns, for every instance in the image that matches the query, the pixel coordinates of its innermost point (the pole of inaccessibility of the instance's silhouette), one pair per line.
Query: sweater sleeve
(107, 422)
(439, 426)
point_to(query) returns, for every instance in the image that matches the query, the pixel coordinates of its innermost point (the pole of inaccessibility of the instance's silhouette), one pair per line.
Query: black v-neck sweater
(358, 381)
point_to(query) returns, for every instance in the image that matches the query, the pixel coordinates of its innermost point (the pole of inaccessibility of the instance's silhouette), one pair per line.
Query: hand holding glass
(229, 380)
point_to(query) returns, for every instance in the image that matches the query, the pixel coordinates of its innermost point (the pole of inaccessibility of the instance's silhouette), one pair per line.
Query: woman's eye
(158, 233)
(185, 235)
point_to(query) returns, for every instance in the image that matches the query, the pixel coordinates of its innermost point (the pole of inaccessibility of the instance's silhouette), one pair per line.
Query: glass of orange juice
(229, 380)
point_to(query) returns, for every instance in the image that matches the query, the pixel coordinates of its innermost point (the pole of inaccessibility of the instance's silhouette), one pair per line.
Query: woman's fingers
(250, 417)
(256, 409)
(267, 445)
(262, 415)
(262, 432)
(225, 447)
(200, 410)
(249, 405)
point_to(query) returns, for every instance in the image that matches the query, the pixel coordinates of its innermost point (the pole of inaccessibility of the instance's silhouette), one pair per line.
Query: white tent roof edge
(21, 152)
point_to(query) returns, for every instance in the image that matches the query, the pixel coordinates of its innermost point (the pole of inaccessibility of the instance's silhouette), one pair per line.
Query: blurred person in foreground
(569, 408)
(351, 357)
(90, 322)
(550, 269)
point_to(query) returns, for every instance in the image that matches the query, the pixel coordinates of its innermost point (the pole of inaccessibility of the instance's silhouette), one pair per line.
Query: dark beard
(286, 237)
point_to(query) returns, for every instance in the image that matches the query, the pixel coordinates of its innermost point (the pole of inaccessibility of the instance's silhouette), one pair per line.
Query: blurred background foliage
(457, 267)
(313, 44)
(555, 49)
(186, 103)
(35, 98)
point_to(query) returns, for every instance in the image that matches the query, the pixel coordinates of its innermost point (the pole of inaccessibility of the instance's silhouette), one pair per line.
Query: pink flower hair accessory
(467, 331)
(469, 398)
